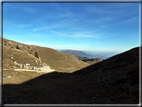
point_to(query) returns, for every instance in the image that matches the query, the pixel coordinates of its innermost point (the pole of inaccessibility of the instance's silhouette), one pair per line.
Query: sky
(95, 27)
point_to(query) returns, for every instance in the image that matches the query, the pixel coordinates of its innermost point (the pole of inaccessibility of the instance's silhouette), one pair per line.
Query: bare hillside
(22, 53)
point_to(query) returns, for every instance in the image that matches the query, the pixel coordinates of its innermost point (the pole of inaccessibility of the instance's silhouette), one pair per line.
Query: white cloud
(59, 33)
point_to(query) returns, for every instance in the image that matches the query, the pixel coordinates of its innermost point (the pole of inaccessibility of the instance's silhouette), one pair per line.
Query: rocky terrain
(112, 81)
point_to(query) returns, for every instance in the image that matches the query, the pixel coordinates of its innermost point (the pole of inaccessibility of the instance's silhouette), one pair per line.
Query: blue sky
(97, 27)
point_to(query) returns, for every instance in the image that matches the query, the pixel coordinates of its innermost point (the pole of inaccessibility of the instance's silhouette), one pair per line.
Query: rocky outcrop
(43, 66)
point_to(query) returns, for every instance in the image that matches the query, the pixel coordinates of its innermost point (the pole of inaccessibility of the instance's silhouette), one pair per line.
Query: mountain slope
(19, 60)
(112, 81)
(56, 60)
(60, 61)
(84, 59)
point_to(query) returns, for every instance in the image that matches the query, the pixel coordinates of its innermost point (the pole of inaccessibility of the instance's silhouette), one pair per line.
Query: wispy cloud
(86, 35)
(23, 7)
(103, 19)
(94, 10)
(61, 34)
(130, 20)
(43, 23)
(42, 27)
(34, 35)
(78, 34)
(24, 25)
(82, 36)
(28, 9)
(133, 19)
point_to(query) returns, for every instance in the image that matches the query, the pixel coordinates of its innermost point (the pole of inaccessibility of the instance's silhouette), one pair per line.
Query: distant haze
(91, 54)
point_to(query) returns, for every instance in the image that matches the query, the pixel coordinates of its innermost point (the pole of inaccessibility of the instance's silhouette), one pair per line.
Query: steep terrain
(112, 81)
(18, 55)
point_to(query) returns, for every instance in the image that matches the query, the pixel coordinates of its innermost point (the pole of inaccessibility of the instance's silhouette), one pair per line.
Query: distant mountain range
(76, 56)
(82, 53)
(85, 59)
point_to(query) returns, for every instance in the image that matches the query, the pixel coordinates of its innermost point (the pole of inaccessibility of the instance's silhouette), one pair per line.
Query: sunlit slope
(56, 60)
(60, 61)
(15, 55)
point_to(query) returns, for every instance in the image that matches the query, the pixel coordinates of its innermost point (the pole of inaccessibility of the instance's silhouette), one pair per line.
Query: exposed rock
(42, 67)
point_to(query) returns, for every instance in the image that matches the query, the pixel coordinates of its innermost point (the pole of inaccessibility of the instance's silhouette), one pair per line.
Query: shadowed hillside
(112, 81)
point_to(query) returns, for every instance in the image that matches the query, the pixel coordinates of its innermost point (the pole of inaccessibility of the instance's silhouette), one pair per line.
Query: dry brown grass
(56, 60)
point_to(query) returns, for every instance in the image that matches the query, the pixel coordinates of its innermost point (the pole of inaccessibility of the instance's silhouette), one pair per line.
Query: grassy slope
(83, 86)
(19, 56)
(56, 60)
(60, 61)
